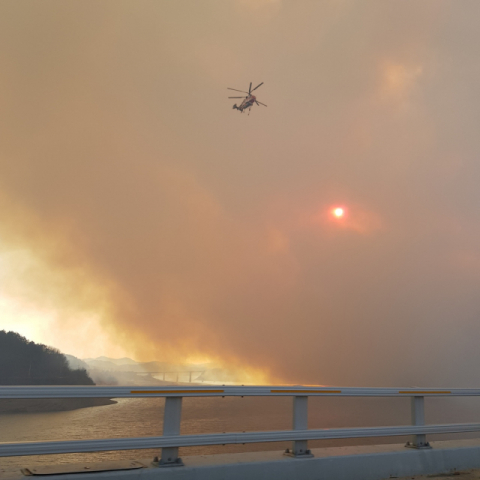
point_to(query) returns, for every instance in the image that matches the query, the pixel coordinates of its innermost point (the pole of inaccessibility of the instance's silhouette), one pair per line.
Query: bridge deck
(459, 475)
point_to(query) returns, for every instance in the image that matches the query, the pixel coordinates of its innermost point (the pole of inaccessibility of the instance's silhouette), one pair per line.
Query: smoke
(143, 217)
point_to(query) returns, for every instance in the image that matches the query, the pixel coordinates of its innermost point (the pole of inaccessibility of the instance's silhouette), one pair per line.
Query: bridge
(299, 462)
(177, 373)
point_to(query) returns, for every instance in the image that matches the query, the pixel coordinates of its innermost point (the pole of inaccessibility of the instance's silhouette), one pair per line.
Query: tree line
(23, 362)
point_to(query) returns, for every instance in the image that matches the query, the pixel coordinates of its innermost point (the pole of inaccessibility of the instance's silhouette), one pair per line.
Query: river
(137, 417)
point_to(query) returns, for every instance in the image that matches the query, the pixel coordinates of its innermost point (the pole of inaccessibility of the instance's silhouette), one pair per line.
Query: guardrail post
(300, 422)
(171, 426)
(418, 418)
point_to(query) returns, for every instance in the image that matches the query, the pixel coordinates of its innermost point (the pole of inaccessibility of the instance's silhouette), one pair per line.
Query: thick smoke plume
(142, 215)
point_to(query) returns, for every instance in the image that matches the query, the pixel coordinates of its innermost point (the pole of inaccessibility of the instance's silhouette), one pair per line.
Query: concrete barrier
(373, 462)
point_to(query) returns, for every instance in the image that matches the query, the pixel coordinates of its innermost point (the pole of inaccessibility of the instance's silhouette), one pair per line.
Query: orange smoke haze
(143, 217)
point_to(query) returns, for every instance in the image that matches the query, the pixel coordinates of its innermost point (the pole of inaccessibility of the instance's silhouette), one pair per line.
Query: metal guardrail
(222, 391)
(172, 440)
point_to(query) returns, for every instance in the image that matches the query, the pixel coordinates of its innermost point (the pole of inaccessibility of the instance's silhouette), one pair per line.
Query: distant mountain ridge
(129, 365)
(75, 363)
(116, 361)
(126, 371)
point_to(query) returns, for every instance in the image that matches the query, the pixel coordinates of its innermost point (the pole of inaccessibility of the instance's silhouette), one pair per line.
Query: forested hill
(28, 363)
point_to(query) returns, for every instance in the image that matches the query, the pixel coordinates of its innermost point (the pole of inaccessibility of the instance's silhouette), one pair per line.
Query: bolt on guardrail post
(300, 422)
(418, 418)
(171, 426)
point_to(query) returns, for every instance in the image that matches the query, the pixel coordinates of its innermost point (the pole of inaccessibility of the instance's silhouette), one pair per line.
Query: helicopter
(249, 100)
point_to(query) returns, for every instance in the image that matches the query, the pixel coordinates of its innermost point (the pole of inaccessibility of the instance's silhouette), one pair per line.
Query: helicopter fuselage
(247, 103)
(249, 100)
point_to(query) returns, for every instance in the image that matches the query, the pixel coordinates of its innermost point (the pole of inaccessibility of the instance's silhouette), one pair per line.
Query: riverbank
(40, 405)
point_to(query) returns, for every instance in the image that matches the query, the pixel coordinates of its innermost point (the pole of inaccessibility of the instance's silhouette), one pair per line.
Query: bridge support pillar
(418, 418)
(171, 426)
(300, 422)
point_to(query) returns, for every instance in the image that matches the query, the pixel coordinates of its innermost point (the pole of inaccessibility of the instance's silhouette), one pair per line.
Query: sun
(338, 212)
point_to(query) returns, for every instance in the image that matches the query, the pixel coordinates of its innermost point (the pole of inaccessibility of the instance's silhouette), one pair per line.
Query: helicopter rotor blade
(260, 103)
(237, 90)
(237, 97)
(256, 87)
(250, 88)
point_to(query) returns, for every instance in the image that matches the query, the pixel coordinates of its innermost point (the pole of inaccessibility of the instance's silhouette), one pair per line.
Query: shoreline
(42, 405)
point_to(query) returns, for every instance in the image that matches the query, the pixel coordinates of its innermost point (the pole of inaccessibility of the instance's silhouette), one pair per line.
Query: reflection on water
(137, 417)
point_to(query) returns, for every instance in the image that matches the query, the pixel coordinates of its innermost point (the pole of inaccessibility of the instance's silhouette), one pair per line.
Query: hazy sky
(142, 216)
